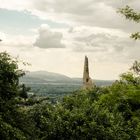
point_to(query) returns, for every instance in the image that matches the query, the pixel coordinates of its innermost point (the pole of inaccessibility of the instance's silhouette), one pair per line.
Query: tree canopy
(107, 113)
(14, 124)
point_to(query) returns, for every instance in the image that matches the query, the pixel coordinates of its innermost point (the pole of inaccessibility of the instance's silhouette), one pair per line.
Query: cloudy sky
(55, 35)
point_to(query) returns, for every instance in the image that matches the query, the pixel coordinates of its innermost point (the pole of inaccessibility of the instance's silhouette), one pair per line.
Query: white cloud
(96, 30)
(48, 38)
(86, 12)
(80, 12)
(103, 64)
(106, 45)
(15, 4)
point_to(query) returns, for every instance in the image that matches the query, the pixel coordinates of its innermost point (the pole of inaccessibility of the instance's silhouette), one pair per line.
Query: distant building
(87, 81)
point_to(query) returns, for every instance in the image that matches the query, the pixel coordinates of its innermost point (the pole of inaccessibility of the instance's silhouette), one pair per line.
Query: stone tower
(87, 81)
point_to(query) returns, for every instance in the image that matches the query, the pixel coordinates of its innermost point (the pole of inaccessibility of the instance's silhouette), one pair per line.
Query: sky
(55, 35)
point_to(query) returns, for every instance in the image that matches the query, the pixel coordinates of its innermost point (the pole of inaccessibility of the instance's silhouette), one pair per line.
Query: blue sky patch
(20, 22)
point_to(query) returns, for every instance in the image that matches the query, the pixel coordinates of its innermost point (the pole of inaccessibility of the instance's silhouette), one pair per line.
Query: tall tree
(9, 77)
(14, 122)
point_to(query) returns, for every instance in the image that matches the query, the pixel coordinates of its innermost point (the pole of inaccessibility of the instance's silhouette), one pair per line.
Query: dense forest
(107, 113)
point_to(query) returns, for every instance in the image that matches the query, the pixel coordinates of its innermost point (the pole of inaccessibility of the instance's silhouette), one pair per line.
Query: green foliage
(8, 132)
(24, 91)
(132, 77)
(130, 14)
(14, 122)
(135, 35)
(107, 113)
(136, 68)
(104, 113)
(9, 77)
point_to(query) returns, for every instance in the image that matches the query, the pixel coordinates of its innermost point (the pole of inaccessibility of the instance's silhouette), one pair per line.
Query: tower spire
(87, 81)
(86, 69)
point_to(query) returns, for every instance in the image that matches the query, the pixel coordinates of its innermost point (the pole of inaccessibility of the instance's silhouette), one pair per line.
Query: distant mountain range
(45, 77)
(50, 84)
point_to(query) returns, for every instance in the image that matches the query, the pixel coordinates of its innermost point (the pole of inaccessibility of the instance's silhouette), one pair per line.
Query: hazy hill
(48, 76)
(54, 84)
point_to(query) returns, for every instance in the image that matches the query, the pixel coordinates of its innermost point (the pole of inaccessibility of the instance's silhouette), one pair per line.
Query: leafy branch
(131, 14)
